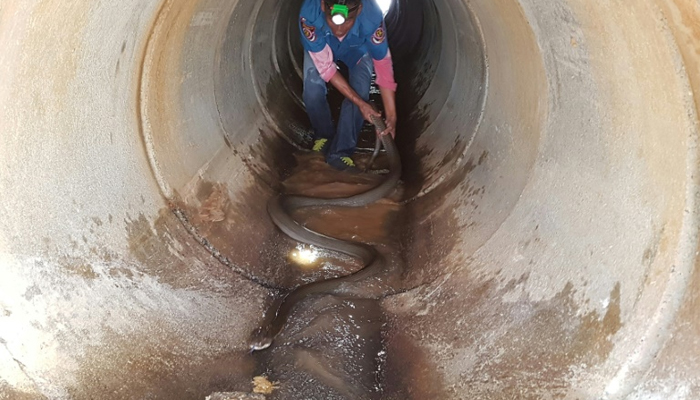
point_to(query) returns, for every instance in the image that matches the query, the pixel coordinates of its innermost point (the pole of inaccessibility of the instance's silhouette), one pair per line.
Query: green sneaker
(343, 164)
(320, 145)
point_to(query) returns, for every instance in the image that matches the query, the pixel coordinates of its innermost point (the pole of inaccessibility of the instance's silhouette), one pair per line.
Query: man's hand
(390, 126)
(366, 108)
(368, 111)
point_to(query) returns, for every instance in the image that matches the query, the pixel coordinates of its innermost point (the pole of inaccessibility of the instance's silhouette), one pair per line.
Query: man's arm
(340, 83)
(389, 101)
(328, 71)
(384, 68)
(387, 86)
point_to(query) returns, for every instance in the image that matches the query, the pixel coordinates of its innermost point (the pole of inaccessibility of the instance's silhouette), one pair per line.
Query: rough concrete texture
(235, 396)
(553, 243)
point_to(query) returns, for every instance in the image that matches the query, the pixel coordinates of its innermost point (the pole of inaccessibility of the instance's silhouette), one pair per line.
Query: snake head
(259, 340)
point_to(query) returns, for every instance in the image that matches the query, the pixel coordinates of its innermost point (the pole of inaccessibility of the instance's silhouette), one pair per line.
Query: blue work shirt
(367, 35)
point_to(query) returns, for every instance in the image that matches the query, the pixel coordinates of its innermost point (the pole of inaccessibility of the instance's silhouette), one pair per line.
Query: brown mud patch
(313, 177)
(239, 231)
(165, 250)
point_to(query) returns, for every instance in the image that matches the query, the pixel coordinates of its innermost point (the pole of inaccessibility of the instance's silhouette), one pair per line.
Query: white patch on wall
(49, 315)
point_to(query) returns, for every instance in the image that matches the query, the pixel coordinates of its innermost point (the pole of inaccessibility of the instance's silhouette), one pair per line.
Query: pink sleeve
(385, 72)
(323, 60)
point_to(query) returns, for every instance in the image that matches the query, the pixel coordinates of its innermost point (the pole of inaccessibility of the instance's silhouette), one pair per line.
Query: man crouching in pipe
(352, 32)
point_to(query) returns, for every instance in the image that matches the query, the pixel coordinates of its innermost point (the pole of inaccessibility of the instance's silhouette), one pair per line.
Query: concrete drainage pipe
(551, 152)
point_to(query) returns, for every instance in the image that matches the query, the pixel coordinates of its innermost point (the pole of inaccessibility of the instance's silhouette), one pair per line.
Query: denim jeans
(344, 139)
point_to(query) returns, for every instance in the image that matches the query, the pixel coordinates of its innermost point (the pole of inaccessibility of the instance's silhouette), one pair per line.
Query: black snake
(280, 209)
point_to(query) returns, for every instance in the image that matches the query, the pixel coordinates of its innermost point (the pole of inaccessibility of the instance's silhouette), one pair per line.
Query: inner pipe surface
(551, 173)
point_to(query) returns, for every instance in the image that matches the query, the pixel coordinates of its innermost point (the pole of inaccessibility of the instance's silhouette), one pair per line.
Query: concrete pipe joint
(551, 197)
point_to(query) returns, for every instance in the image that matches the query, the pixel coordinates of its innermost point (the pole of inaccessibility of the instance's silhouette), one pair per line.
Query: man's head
(341, 14)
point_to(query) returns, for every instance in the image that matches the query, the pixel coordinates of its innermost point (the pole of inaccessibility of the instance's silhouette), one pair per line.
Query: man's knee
(361, 76)
(364, 92)
(362, 88)
(365, 65)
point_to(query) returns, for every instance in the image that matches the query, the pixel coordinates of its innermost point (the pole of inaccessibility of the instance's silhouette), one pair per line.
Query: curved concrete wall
(552, 165)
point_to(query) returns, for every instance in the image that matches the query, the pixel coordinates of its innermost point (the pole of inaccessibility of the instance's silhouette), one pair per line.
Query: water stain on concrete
(542, 340)
(7, 392)
(81, 269)
(155, 362)
(165, 250)
(240, 230)
(426, 241)
(431, 230)
(410, 374)
(213, 208)
(675, 369)
(413, 157)
(66, 52)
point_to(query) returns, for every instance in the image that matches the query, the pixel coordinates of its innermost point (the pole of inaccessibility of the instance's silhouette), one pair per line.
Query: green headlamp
(339, 13)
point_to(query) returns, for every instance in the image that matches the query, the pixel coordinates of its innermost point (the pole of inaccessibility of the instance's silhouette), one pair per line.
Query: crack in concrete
(21, 365)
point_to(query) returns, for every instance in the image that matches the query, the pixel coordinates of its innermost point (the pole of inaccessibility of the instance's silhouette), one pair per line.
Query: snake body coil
(280, 209)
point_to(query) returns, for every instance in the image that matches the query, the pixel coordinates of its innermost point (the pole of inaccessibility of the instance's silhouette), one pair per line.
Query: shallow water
(332, 346)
